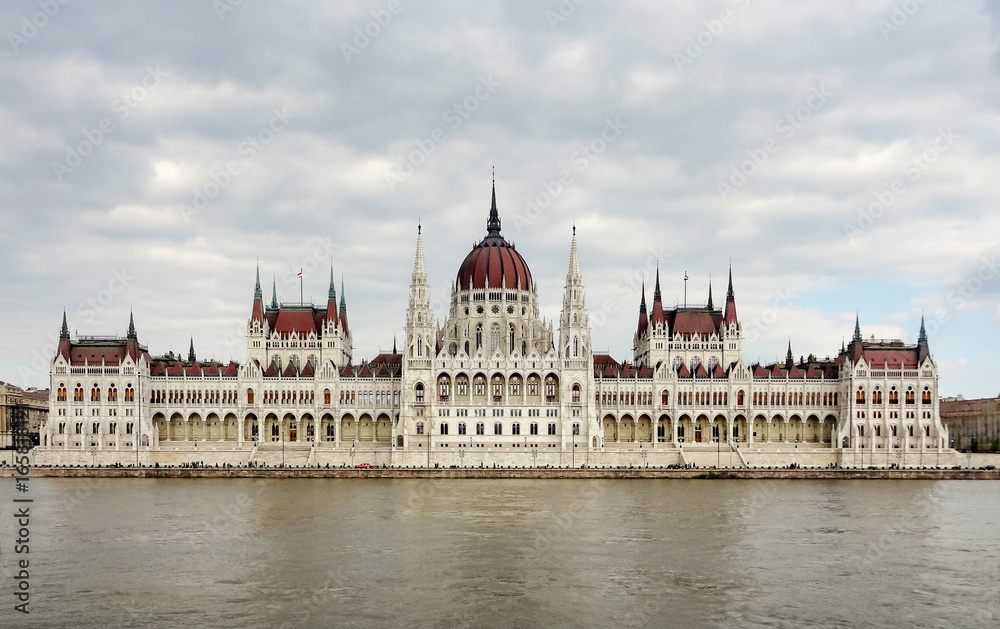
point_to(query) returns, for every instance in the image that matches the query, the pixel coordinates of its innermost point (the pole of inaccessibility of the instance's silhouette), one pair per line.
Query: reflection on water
(512, 553)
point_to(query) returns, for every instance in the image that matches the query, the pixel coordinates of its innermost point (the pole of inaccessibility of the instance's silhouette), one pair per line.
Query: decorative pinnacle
(730, 296)
(274, 293)
(64, 332)
(256, 291)
(857, 329)
(493, 224)
(131, 325)
(923, 332)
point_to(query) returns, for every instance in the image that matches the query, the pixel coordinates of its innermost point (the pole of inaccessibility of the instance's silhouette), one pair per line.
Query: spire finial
(256, 290)
(64, 332)
(923, 331)
(730, 296)
(710, 306)
(343, 293)
(857, 328)
(394, 344)
(789, 360)
(131, 327)
(274, 292)
(656, 289)
(191, 356)
(493, 224)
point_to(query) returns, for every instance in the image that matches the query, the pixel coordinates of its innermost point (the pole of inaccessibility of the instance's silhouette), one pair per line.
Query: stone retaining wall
(396, 473)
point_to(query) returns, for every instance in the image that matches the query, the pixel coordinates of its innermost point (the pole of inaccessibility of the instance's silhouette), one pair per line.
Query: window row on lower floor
(514, 428)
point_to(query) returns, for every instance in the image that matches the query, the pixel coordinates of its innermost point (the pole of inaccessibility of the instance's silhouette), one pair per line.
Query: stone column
(318, 423)
(240, 429)
(187, 430)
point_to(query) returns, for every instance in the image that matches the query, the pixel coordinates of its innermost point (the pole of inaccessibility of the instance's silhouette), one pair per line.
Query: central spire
(493, 224)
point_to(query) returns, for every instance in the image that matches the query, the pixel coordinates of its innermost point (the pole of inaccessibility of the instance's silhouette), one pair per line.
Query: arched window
(576, 394)
(497, 428)
(480, 428)
(576, 346)
(515, 429)
(112, 393)
(444, 428)
(61, 393)
(420, 428)
(479, 336)
(95, 394)
(893, 396)
(910, 397)
(326, 396)
(461, 428)
(665, 397)
(249, 396)
(876, 396)
(78, 393)
(420, 346)
(420, 393)
(739, 398)
(859, 397)
(495, 338)
(511, 350)
(925, 397)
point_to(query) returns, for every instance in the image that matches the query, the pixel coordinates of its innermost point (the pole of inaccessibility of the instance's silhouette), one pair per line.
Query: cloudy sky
(842, 155)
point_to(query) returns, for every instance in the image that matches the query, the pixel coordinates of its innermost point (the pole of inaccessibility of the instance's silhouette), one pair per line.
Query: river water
(507, 553)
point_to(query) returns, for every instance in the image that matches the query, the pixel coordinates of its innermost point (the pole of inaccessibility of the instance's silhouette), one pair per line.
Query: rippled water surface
(508, 553)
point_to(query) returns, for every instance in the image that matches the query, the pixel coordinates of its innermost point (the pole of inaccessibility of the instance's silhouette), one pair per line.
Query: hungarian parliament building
(494, 385)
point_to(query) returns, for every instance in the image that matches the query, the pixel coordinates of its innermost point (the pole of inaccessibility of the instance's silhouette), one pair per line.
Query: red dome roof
(494, 260)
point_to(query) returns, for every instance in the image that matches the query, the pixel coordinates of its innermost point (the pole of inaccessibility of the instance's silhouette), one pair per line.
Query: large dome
(494, 261)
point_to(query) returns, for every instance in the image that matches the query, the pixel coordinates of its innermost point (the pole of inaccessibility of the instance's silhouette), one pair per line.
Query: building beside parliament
(494, 384)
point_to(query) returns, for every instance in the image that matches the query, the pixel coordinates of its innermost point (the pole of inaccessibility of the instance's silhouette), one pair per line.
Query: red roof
(497, 262)
(687, 323)
(301, 322)
(890, 358)
(602, 360)
(94, 354)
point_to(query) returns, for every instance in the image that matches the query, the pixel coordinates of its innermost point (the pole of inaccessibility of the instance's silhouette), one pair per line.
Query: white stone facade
(493, 385)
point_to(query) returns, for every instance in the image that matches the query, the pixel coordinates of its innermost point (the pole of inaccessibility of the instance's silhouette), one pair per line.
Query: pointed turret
(64, 342)
(257, 312)
(710, 306)
(857, 329)
(191, 355)
(394, 344)
(574, 326)
(343, 309)
(331, 300)
(643, 317)
(923, 349)
(274, 293)
(730, 315)
(256, 291)
(657, 317)
(131, 327)
(493, 223)
(789, 359)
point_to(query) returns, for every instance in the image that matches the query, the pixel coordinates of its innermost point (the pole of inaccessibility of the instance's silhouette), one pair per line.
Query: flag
(300, 272)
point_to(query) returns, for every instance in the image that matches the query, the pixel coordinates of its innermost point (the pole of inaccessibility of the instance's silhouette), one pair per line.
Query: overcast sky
(844, 156)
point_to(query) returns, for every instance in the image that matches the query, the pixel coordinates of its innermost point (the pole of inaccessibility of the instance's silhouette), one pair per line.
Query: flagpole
(685, 289)
(302, 301)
